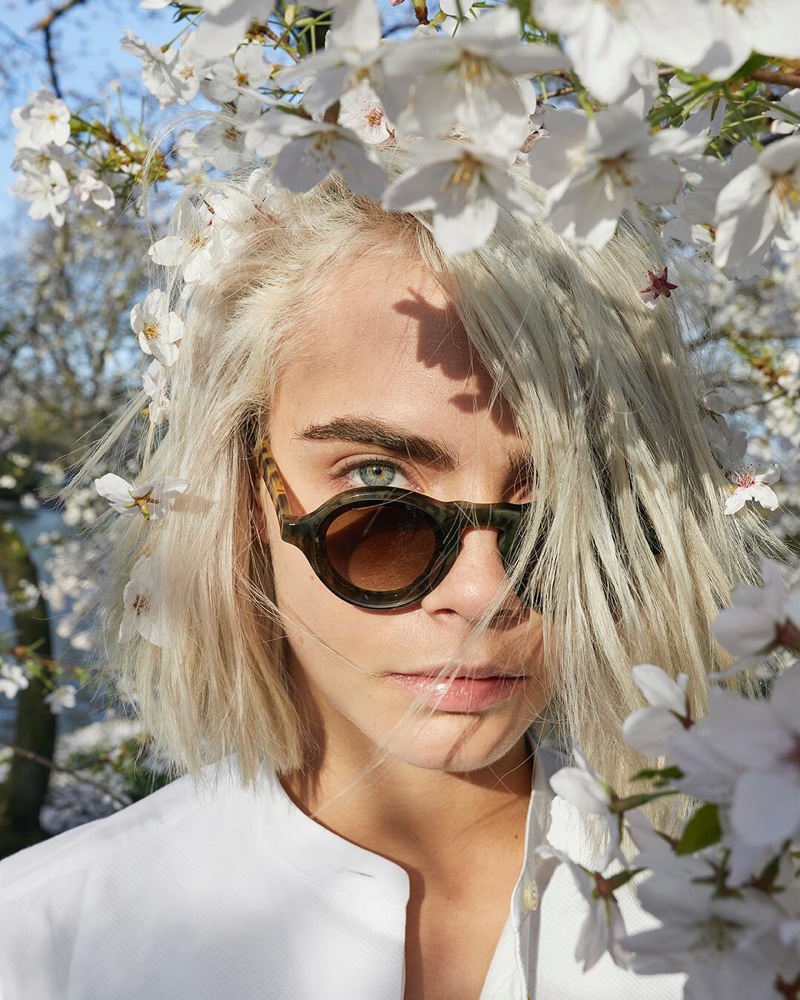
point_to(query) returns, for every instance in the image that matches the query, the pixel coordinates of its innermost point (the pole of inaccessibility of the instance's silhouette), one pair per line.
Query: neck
(427, 820)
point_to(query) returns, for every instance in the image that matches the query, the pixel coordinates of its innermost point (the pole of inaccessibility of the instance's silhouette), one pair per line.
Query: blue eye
(376, 474)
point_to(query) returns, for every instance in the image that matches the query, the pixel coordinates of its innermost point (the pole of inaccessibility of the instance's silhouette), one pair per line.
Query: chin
(454, 742)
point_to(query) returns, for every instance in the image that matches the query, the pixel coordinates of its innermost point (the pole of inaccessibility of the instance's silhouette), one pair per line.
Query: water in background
(89, 706)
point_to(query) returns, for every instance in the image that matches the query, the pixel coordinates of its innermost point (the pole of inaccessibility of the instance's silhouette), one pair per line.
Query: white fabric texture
(215, 892)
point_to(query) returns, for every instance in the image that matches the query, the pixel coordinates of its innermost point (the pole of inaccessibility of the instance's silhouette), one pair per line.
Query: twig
(46, 27)
(776, 76)
(55, 13)
(37, 759)
(51, 61)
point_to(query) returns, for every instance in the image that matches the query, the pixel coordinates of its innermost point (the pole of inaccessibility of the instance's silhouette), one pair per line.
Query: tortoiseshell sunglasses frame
(448, 520)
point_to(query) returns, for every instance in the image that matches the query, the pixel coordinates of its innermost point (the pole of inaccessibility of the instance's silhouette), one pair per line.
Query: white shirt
(213, 891)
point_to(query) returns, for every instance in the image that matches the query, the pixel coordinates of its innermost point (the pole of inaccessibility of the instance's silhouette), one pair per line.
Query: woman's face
(383, 391)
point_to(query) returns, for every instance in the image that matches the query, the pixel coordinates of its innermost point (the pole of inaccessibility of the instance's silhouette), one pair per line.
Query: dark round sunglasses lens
(381, 548)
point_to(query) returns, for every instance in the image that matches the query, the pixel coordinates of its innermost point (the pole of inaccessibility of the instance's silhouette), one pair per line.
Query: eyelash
(345, 473)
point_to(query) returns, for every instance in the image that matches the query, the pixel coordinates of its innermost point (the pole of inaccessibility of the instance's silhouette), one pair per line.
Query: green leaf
(701, 831)
(660, 774)
(754, 63)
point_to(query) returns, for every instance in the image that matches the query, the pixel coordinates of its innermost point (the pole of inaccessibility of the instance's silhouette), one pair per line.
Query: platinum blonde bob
(636, 555)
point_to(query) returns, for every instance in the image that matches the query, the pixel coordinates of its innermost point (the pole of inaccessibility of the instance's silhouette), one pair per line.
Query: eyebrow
(369, 430)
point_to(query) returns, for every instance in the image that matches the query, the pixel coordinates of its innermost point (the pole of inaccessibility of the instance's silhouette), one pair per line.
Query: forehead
(384, 340)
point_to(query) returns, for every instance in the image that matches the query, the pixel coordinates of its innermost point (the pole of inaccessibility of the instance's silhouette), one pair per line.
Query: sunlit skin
(385, 392)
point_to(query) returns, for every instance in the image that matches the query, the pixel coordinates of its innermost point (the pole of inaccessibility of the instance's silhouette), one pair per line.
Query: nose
(477, 583)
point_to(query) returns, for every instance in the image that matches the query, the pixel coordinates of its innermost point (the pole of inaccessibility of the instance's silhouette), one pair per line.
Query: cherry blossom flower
(711, 936)
(197, 247)
(153, 500)
(164, 75)
(89, 188)
(785, 113)
(221, 142)
(13, 679)
(60, 698)
(464, 186)
(44, 183)
(595, 169)
(225, 23)
(140, 600)
(245, 72)
(737, 29)
(352, 56)
(586, 790)
(759, 619)
(759, 202)
(362, 112)
(157, 327)
(43, 121)
(467, 81)
(649, 730)
(659, 285)
(307, 151)
(613, 44)
(752, 486)
(604, 927)
(152, 383)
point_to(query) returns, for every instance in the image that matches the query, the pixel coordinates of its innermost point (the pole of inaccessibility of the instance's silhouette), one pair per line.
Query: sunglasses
(383, 547)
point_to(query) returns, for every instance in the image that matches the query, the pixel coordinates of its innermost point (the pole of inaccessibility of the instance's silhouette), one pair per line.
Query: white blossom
(595, 169)
(221, 142)
(307, 151)
(710, 936)
(785, 113)
(60, 698)
(153, 500)
(759, 202)
(163, 73)
(46, 188)
(362, 112)
(604, 927)
(140, 600)
(240, 74)
(351, 57)
(225, 23)
(197, 247)
(89, 188)
(612, 45)
(737, 29)
(467, 81)
(753, 486)
(43, 121)
(758, 617)
(464, 186)
(158, 329)
(586, 790)
(649, 730)
(13, 679)
(153, 385)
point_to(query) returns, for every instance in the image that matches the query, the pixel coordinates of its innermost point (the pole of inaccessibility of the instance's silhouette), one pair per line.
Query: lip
(470, 690)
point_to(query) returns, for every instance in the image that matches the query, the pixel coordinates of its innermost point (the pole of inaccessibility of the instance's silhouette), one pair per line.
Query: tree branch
(46, 27)
(775, 76)
(55, 13)
(38, 759)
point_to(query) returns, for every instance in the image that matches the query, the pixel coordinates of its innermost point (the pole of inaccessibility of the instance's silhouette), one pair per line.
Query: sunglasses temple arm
(273, 482)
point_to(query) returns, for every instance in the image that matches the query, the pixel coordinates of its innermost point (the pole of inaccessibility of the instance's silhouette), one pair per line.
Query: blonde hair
(635, 555)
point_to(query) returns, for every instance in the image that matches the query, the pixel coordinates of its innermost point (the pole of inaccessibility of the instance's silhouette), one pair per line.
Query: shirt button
(530, 895)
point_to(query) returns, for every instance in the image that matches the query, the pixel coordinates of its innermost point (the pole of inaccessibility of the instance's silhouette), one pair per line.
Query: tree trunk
(23, 794)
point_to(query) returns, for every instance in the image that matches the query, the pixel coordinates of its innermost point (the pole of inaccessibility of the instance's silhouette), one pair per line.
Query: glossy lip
(470, 690)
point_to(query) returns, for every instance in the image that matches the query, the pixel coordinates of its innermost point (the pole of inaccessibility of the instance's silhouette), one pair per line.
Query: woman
(363, 676)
